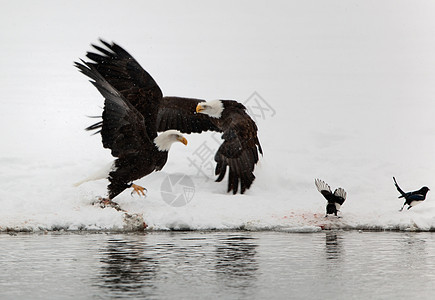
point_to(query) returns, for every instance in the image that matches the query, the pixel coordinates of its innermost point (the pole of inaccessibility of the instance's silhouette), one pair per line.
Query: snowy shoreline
(305, 224)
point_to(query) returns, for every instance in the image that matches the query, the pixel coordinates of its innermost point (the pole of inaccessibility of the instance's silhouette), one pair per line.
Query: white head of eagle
(211, 108)
(167, 138)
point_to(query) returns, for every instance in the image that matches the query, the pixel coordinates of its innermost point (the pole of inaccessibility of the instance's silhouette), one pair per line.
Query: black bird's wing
(125, 75)
(324, 189)
(340, 195)
(415, 196)
(239, 151)
(180, 114)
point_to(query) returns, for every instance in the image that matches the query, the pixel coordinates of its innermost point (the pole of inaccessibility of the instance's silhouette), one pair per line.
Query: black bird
(412, 198)
(335, 200)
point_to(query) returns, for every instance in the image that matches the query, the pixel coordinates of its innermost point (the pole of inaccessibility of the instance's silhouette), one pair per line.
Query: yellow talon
(138, 189)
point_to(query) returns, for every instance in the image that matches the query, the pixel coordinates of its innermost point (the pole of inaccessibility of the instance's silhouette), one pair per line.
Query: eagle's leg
(138, 189)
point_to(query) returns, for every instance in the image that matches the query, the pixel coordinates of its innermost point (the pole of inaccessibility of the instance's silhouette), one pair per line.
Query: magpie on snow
(412, 198)
(335, 200)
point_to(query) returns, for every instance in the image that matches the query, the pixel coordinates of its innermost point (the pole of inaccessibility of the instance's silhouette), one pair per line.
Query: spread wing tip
(340, 192)
(322, 186)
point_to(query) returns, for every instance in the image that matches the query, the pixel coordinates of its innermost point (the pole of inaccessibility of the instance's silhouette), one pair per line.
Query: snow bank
(40, 196)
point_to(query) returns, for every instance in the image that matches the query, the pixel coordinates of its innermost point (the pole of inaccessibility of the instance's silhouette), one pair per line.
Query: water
(218, 265)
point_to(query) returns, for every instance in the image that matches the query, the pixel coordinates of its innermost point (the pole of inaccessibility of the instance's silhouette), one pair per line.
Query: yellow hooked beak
(199, 108)
(183, 140)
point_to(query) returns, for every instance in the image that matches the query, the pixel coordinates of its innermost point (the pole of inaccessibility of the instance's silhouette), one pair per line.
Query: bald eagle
(239, 152)
(138, 148)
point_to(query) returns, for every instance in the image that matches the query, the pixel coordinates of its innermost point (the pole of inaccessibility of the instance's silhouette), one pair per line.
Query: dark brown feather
(123, 131)
(125, 74)
(238, 152)
(180, 113)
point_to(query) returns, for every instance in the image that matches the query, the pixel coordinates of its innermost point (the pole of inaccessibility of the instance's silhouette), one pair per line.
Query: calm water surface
(218, 265)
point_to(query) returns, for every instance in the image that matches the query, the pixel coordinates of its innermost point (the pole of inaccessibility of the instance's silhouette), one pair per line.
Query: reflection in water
(126, 269)
(333, 246)
(414, 250)
(219, 265)
(236, 264)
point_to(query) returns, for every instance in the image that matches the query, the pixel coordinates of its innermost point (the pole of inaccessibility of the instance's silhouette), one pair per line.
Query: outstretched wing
(415, 197)
(340, 195)
(180, 113)
(125, 74)
(323, 188)
(122, 129)
(239, 151)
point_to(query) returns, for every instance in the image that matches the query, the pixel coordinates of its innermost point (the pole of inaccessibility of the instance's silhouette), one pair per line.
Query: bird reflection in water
(236, 263)
(333, 247)
(413, 250)
(126, 269)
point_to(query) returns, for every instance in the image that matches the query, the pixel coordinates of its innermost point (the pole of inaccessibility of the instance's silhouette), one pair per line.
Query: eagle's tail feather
(100, 174)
